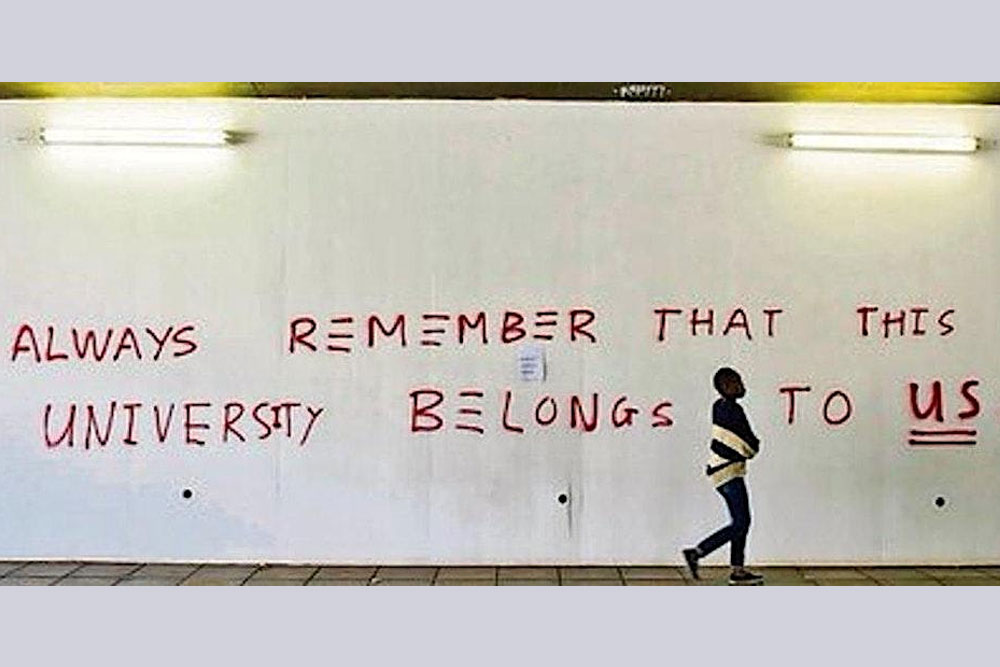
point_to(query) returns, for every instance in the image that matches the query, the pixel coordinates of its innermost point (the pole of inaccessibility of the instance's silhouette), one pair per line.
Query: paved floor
(139, 574)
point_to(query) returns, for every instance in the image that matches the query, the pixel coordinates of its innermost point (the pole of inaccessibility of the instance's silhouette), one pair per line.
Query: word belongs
(432, 410)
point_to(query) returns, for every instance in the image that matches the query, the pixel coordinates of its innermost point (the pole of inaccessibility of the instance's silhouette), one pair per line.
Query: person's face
(734, 387)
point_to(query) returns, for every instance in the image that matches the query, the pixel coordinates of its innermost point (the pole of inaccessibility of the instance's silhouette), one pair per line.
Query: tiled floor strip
(38, 573)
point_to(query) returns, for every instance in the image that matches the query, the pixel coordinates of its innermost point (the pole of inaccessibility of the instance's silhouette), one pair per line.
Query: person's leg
(724, 534)
(735, 493)
(739, 506)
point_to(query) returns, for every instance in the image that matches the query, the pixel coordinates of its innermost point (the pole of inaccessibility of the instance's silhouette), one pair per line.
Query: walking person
(733, 443)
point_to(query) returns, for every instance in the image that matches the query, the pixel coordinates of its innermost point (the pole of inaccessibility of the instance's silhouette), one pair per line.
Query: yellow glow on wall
(884, 92)
(124, 89)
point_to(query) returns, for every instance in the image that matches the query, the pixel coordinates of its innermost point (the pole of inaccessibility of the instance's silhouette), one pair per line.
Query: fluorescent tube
(892, 143)
(133, 137)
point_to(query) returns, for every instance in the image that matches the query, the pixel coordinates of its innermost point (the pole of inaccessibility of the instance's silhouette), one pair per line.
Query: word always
(109, 344)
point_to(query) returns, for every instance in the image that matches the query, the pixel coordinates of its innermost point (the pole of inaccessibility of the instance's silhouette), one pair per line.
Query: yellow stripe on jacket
(733, 441)
(730, 469)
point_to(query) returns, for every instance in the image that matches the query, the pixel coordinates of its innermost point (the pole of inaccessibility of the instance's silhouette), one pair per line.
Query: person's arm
(746, 432)
(726, 452)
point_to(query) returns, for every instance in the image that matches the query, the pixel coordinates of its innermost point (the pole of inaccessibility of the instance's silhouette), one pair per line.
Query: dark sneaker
(691, 558)
(745, 578)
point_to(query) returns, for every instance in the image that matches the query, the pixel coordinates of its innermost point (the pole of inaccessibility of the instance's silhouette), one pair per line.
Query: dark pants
(735, 493)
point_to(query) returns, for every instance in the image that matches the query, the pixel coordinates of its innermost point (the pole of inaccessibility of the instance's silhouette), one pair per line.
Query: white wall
(353, 208)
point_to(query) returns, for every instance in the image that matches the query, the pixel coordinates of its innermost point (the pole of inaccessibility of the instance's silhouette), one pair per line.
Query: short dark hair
(723, 375)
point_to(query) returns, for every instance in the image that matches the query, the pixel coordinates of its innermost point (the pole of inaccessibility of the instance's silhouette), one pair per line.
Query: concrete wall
(203, 261)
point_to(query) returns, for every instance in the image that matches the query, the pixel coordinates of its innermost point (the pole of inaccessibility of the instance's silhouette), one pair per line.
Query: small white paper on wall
(531, 363)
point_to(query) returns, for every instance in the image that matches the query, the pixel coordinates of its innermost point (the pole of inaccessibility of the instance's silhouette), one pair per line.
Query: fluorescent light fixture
(51, 136)
(883, 143)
